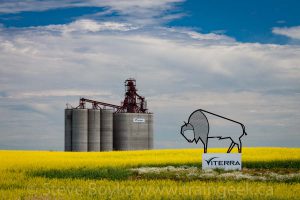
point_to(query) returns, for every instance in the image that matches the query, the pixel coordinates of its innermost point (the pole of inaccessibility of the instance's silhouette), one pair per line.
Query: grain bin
(80, 130)
(133, 131)
(93, 130)
(68, 129)
(106, 133)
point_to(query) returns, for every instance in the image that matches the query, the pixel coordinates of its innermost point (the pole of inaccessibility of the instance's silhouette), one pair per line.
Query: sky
(239, 59)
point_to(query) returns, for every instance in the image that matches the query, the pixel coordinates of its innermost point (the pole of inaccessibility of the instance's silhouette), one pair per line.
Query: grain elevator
(107, 127)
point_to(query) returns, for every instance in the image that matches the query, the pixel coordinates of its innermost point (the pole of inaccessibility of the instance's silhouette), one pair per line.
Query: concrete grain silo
(125, 127)
(80, 129)
(94, 130)
(106, 143)
(133, 131)
(68, 129)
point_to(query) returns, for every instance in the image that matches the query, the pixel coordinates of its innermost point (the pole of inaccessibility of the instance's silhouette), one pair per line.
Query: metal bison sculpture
(199, 125)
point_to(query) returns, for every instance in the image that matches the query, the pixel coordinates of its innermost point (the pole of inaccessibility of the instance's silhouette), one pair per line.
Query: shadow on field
(124, 173)
(83, 173)
(276, 164)
(286, 164)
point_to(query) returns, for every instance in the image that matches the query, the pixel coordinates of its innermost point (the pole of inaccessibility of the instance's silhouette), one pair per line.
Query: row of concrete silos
(88, 130)
(103, 130)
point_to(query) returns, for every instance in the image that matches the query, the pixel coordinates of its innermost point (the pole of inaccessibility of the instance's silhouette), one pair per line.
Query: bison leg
(230, 147)
(205, 148)
(240, 146)
(204, 145)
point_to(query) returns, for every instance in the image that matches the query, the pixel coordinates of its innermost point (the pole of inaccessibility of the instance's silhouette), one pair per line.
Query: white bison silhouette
(198, 123)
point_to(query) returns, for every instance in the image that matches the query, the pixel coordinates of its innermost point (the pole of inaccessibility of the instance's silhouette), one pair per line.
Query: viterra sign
(198, 129)
(225, 161)
(139, 120)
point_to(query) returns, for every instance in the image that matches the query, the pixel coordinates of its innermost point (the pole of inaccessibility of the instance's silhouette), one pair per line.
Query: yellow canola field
(47, 159)
(16, 183)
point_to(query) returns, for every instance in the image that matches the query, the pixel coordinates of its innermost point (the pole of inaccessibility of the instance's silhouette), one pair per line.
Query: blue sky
(246, 21)
(239, 59)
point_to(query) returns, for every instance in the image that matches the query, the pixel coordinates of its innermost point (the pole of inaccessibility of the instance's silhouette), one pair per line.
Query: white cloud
(87, 25)
(291, 32)
(56, 93)
(126, 6)
(208, 36)
(42, 68)
(137, 11)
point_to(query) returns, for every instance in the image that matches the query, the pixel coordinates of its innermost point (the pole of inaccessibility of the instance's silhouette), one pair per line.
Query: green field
(268, 173)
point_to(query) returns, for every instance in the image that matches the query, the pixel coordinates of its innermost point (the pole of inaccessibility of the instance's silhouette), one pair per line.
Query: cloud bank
(177, 69)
